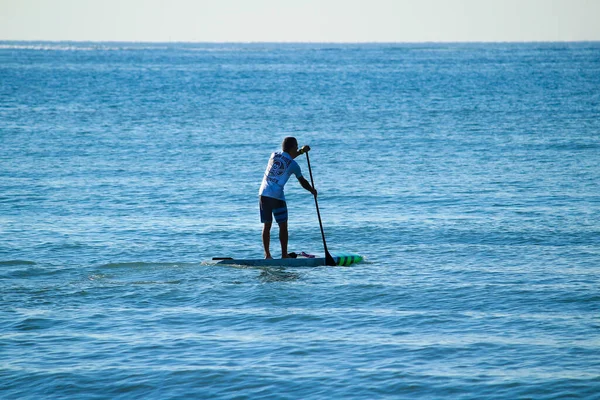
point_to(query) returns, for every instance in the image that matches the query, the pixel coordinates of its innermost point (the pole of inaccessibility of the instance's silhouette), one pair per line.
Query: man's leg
(266, 238)
(283, 238)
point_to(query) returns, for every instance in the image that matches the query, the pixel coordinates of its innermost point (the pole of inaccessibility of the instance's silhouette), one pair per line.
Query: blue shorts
(269, 207)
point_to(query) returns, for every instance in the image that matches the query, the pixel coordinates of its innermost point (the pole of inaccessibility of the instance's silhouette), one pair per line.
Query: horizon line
(298, 42)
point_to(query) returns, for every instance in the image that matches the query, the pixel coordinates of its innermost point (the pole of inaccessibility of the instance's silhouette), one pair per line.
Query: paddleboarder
(271, 197)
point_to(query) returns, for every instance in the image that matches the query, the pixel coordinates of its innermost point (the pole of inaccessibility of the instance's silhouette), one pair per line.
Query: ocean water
(467, 175)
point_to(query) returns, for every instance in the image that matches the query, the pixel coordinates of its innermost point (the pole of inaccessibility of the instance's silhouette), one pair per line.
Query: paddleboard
(341, 259)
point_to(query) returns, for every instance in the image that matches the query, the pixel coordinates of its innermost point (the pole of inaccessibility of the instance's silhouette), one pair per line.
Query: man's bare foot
(268, 257)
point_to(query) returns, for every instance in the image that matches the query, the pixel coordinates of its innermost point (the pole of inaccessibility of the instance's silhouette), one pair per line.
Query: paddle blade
(329, 260)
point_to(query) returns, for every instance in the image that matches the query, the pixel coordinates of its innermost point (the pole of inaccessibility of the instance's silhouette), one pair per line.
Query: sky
(300, 20)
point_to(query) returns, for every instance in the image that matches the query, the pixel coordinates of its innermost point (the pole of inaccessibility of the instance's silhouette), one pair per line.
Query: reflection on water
(270, 274)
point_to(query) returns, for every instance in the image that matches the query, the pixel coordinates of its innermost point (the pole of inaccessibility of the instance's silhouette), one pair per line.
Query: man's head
(290, 145)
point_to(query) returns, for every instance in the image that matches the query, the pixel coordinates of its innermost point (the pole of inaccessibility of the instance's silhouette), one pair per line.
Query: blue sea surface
(467, 175)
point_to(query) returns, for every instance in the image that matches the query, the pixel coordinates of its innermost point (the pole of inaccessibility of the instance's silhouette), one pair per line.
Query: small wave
(17, 262)
(175, 282)
(35, 323)
(142, 264)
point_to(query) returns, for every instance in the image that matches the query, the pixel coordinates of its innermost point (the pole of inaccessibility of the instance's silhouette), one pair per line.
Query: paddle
(328, 258)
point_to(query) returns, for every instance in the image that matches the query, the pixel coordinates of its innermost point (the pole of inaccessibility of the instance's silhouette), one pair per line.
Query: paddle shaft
(328, 258)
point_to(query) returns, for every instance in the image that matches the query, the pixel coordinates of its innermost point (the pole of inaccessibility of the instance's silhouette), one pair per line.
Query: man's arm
(306, 185)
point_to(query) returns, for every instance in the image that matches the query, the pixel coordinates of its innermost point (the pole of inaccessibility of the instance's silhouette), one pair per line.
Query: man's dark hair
(289, 143)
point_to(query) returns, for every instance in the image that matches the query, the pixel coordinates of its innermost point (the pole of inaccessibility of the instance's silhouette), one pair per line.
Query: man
(271, 198)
